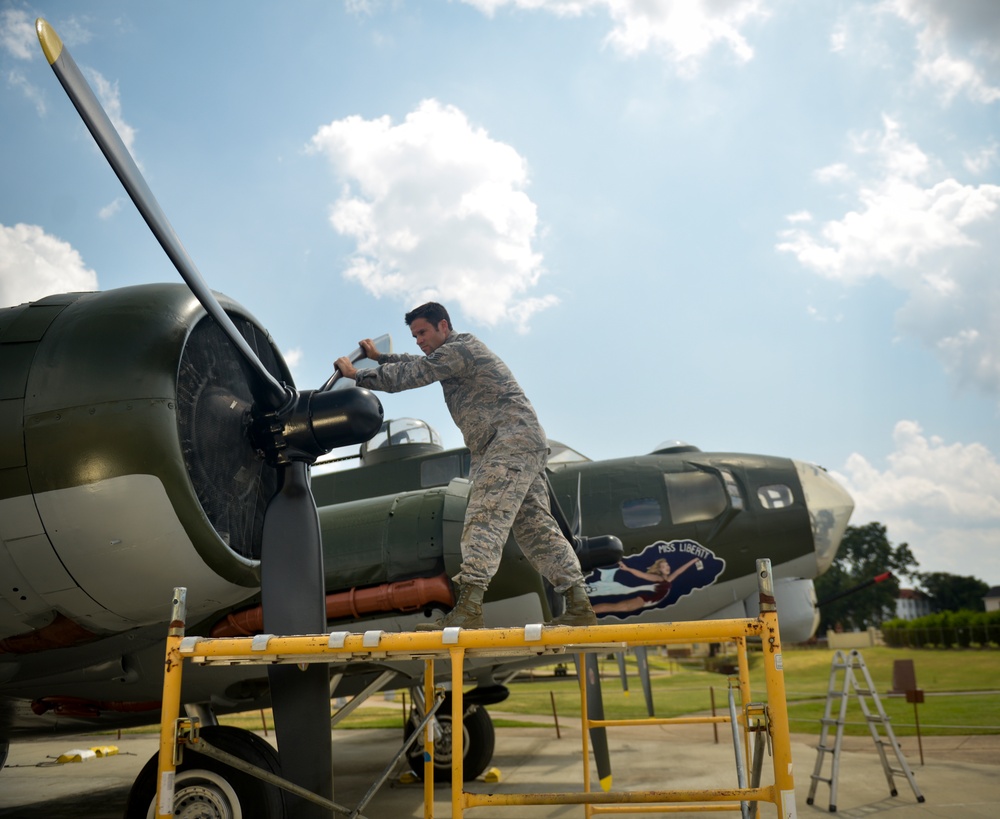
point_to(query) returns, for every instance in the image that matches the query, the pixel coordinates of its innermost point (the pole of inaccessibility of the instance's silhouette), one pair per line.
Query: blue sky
(757, 226)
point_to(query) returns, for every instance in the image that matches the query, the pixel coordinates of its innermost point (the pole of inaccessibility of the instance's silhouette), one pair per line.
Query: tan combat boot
(468, 611)
(578, 610)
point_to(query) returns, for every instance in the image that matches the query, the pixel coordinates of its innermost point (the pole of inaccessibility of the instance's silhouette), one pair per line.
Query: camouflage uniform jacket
(485, 401)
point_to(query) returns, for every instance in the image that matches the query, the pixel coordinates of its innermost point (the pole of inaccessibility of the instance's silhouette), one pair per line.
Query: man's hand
(347, 369)
(368, 346)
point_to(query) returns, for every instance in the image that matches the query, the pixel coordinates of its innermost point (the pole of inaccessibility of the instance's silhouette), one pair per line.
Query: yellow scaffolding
(456, 645)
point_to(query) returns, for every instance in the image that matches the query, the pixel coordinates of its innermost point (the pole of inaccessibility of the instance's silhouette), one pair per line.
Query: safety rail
(455, 645)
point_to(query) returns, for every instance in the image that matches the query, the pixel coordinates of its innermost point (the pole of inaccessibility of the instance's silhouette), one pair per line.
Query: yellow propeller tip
(51, 44)
(606, 784)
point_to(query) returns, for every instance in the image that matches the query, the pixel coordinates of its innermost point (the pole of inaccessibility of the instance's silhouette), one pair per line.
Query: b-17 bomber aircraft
(151, 437)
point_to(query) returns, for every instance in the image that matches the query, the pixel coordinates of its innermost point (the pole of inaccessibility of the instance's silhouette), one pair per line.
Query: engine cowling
(125, 466)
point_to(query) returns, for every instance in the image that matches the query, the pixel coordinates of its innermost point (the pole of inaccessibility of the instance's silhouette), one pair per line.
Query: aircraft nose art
(830, 509)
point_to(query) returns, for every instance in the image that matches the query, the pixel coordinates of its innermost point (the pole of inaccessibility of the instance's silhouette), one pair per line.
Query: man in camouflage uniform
(509, 451)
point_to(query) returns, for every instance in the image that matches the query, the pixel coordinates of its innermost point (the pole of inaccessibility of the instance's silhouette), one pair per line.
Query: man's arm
(400, 371)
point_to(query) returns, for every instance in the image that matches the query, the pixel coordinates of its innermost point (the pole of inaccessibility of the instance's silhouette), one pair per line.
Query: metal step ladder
(852, 665)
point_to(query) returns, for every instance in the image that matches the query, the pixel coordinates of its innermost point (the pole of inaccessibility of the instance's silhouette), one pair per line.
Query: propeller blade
(620, 656)
(642, 660)
(292, 428)
(293, 598)
(266, 389)
(595, 710)
(383, 344)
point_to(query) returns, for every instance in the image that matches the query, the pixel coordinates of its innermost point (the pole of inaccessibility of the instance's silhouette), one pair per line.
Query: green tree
(864, 554)
(952, 592)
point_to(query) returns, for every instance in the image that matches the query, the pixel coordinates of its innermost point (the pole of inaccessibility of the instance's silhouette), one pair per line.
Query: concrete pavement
(960, 777)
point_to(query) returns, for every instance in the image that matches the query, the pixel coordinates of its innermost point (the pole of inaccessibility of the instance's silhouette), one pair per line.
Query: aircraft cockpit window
(440, 471)
(403, 431)
(640, 512)
(695, 496)
(777, 496)
(733, 489)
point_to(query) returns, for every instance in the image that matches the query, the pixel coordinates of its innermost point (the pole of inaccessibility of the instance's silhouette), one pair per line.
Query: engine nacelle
(798, 614)
(125, 466)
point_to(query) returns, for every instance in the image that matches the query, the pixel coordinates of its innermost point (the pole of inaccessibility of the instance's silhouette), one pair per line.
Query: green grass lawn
(949, 680)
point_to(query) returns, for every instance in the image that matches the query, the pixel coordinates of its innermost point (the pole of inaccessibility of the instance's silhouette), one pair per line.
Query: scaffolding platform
(766, 721)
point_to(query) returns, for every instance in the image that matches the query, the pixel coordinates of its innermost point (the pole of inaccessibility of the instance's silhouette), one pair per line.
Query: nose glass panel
(830, 509)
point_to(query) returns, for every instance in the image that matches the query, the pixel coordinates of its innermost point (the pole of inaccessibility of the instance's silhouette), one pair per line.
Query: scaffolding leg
(774, 681)
(757, 765)
(741, 770)
(170, 708)
(581, 673)
(457, 739)
(428, 742)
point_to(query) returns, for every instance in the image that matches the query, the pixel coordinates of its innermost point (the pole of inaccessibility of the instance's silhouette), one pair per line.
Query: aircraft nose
(830, 509)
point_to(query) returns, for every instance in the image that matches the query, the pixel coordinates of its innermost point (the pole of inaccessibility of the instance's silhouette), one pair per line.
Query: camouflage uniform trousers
(509, 493)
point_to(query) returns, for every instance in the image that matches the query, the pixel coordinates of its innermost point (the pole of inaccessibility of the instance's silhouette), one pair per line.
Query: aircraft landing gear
(208, 789)
(478, 742)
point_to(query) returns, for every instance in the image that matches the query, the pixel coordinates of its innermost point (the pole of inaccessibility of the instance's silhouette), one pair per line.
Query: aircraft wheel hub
(206, 796)
(443, 746)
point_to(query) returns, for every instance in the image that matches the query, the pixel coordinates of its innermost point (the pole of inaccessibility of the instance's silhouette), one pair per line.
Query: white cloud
(293, 358)
(110, 209)
(17, 34)
(18, 39)
(983, 160)
(958, 45)
(931, 236)
(838, 38)
(34, 264)
(361, 7)
(682, 31)
(833, 173)
(438, 211)
(17, 80)
(941, 498)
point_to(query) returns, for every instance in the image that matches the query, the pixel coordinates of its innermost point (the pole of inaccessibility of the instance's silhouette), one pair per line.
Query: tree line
(850, 598)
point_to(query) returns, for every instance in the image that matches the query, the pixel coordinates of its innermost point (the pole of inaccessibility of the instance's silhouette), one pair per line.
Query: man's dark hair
(432, 312)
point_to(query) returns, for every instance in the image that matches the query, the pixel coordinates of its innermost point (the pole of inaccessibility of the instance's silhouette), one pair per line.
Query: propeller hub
(316, 422)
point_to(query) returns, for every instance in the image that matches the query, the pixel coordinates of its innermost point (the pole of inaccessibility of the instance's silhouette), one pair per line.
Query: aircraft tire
(211, 789)
(4, 750)
(478, 743)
